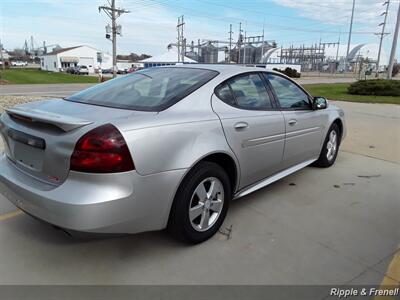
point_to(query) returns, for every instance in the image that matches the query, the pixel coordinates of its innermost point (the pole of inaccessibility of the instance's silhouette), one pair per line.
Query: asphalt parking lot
(318, 226)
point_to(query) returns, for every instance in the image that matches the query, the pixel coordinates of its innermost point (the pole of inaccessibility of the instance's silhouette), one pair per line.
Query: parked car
(121, 70)
(72, 70)
(82, 70)
(106, 71)
(19, 63)
(163, 147)
(134, 69)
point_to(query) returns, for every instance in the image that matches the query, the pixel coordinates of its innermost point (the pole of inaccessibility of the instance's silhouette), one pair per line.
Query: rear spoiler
(65, 123)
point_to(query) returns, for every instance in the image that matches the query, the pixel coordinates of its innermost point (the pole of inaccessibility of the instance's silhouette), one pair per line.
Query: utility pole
(239, 43)
(230, 43)
(337, 54)
(337, 50)
(113, 13)
(181, 39)
(244, 46)
(394, 44)
(348, 43)
(3, 65)
(382, 34)
(32, 46)
(262, 45)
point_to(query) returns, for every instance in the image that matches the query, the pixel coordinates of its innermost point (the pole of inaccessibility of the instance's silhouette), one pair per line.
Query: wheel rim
(206, 204)
(331, 145)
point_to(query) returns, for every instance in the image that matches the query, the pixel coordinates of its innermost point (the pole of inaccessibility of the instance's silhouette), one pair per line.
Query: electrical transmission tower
(382, 34)
(350, 31)
(230, 44)
(181, 40)
(113, 13)
(394, 45)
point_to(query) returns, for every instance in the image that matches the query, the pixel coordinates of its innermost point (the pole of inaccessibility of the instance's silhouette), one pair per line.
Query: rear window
(151, 89)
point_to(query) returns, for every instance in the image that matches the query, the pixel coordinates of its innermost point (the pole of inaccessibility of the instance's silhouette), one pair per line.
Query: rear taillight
(102, 150)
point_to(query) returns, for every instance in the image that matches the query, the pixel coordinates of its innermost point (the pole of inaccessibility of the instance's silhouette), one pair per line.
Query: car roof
(223, 69)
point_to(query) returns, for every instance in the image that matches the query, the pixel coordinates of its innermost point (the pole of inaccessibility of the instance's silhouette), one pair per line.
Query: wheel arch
(224, 159)
(339, 123)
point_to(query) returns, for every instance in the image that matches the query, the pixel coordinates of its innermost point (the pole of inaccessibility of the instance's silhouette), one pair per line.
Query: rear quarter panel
(178, 137)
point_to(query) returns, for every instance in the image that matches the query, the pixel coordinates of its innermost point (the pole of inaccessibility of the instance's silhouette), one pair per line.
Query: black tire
(179, 224)
(323, 161)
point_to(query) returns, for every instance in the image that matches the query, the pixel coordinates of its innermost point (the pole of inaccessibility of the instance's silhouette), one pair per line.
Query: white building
(4, 54)
(166, 59)
(64, 58)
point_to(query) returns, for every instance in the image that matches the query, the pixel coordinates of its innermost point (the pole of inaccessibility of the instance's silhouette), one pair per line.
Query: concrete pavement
(374, 130)
(50, 90)
(318, 226)
(331, 219)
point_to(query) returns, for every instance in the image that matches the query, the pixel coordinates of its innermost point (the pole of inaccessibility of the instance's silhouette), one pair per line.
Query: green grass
(338, 91)
(32, 76)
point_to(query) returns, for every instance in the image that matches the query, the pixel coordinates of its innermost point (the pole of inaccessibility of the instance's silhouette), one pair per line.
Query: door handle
(292, 122)
(241, 125)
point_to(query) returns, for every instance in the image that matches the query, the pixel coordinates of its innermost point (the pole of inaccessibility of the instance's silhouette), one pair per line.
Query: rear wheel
(201, 203)
(330, 148)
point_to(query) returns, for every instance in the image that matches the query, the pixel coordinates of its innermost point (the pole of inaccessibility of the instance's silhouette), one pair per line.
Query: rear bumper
(103, 203)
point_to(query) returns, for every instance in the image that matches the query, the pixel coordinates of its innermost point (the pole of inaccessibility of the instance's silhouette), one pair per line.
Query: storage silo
(192, 55)
(209, 54)
(247, 54)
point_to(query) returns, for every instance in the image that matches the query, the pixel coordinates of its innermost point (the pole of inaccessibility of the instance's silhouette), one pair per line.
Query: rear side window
(245, 91)
(225, 94)
(151, 89)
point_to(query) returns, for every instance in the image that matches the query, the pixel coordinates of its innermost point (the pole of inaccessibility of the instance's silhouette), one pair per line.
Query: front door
(303, 124)
(253, 126)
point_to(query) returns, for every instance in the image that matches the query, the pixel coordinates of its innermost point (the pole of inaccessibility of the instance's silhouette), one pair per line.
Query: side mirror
(320, 102)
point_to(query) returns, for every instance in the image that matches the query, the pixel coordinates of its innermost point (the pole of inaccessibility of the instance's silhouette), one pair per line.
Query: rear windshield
(151, 89)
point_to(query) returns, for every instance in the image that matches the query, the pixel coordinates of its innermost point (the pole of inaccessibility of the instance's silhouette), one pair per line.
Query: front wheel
(330, 148)
(201, 203)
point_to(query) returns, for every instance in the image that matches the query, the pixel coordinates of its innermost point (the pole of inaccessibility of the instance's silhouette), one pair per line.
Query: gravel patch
(10, 101)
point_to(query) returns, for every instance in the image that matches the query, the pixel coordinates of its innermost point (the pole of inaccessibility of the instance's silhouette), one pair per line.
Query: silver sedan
(165, 147)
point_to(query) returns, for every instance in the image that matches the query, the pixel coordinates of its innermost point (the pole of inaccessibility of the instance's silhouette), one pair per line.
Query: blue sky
(151, 24)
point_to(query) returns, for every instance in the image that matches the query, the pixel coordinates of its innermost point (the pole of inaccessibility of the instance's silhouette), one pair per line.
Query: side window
(224, 93)
(289, 95)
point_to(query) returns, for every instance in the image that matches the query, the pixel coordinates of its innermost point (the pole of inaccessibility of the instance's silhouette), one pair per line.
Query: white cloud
(338, 12)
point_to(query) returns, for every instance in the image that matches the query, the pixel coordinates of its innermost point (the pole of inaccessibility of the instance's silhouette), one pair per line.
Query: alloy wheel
(331, 145)
(206, 204)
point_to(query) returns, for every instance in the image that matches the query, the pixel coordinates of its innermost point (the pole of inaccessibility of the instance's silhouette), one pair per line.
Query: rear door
(303, 124)
(253, 126)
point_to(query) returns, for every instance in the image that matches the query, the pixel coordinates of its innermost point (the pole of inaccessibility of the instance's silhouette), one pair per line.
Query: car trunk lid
(41, 136)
